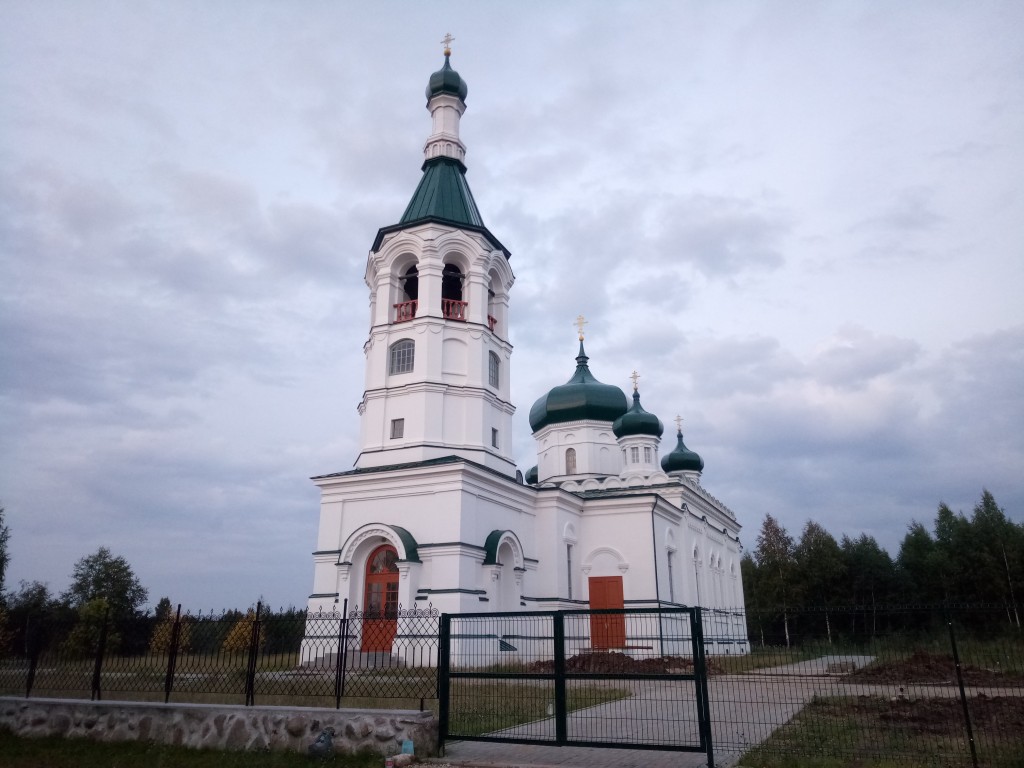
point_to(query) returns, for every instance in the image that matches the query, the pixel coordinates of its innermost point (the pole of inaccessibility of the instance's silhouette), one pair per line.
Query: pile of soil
(616, 662)
(933, 716)
(924, 667)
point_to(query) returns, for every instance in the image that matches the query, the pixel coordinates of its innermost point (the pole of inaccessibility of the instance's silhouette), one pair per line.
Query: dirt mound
(933, 716)
(616, 662)
(925, 667)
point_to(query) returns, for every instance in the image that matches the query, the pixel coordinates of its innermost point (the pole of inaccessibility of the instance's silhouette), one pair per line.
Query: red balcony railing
(405, 311)
(453, 309)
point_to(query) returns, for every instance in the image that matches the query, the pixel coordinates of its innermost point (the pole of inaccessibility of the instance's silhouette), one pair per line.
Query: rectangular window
(494, 437)
(647, 454)
(494, 370)
(634, 454)
(397, 428)
(568, 566)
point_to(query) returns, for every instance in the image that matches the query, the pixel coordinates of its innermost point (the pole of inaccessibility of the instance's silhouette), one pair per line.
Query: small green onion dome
(531, 475)
(682, 459)
(447, 80)
(637, 421)
(582, 397)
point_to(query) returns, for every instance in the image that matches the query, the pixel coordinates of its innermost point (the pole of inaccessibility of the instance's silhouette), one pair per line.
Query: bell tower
(438, 354)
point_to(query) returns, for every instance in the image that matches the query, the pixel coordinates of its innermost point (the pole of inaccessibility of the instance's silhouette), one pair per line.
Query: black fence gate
(633, 678)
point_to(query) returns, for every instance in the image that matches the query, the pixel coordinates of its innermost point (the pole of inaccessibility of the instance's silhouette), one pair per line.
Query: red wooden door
(606, 630)
(380, 615)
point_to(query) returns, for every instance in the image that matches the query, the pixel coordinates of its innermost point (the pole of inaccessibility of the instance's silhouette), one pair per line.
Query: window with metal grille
(493, 369)
(397, 428)
(403, 355)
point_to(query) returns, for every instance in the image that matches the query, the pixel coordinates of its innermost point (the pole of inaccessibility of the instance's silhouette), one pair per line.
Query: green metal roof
(582, 397)
(682, 459)
(443, 194)
(637, 421)
(447, 80)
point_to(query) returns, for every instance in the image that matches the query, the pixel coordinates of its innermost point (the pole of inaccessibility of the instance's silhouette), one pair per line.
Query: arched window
(402, 357)
(493, 369)
(451, 283)
(411, 283)
(570, 461)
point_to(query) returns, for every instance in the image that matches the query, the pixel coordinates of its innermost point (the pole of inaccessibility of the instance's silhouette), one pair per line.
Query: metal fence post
(700, 670)
(561, 710)
(98, 666)
(172, 656)
(963, 693)
(339, 671)
(250, 672)
(444, 636)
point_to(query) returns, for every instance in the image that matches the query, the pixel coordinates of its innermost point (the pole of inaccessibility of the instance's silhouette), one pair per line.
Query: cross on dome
(634, 376)
(679, 422)
(447, 43)
(580, 322)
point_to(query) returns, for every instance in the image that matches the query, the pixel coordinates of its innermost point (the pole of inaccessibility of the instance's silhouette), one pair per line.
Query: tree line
(105, 596)
(962, 560)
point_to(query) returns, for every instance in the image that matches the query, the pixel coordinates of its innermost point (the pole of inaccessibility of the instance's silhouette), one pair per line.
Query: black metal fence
(632, 678)
(289, 657)
(937, 685)
(901, 685)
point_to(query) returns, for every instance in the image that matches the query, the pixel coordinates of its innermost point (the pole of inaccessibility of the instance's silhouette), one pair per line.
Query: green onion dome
(447, 80)
(637, 421)
(682, 459)
(531, 475)
(582, 397)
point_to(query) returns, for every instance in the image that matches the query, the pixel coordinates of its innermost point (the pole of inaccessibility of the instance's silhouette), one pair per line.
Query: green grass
(486, 706)
(873, 732)
(760, 658)
(51, 752)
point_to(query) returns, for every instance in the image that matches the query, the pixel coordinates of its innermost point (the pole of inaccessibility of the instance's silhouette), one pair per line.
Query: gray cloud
(816, 265)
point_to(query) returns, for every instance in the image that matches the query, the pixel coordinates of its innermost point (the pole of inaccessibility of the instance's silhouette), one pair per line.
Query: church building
(435, 512)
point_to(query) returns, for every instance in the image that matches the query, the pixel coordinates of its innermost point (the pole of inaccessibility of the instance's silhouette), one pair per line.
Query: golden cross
(679, 423)
(580, 322)
(447, 43)
(634, 377)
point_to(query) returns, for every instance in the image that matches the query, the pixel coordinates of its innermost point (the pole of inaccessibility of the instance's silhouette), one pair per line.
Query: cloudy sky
(802, 223)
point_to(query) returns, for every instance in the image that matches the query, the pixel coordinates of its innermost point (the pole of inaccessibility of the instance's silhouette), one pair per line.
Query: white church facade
(435, 512)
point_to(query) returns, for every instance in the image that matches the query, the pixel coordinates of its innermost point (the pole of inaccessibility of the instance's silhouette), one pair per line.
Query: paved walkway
(745, 710)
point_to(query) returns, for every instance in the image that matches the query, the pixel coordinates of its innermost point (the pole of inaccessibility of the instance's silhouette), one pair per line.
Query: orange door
(380, 617)
(607, 630)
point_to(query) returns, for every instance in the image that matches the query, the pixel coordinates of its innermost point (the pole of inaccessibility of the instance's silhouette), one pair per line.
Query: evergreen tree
(871, 573)
(918, 565)
(820, 569)
(5, 555)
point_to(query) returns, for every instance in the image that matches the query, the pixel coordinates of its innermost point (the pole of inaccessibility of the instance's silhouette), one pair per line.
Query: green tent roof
(443, 194)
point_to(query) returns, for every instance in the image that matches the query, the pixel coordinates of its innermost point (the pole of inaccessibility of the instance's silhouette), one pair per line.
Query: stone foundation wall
(221, 727)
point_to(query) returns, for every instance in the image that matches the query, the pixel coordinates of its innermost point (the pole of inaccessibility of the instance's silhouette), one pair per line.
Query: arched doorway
(380, 614)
